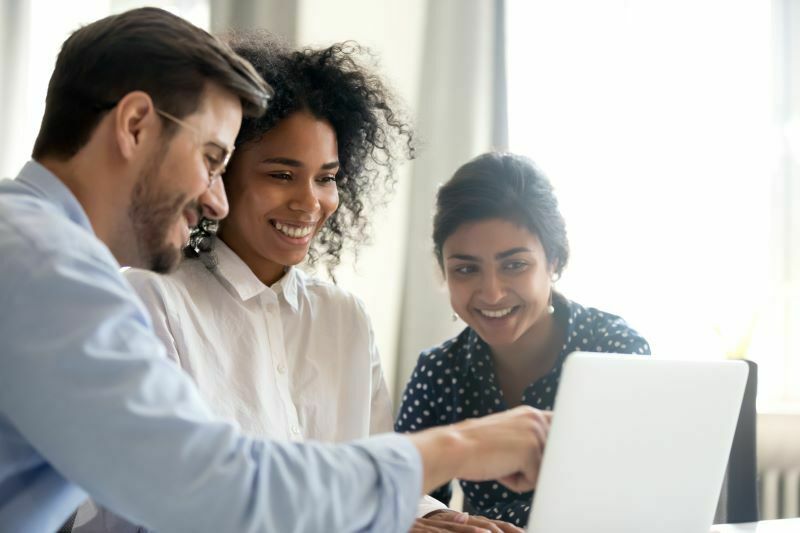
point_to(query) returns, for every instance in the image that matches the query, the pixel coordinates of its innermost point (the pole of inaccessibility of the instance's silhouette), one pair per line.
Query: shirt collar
(477, 354)
(48, 186)
(290, 284)
(235, 272)
(246, 284)
(567, 311)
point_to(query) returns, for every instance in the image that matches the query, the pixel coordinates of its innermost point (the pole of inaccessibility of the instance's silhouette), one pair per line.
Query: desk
(767, 526)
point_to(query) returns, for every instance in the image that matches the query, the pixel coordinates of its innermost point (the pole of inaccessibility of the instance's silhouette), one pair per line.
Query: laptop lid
(637, 444)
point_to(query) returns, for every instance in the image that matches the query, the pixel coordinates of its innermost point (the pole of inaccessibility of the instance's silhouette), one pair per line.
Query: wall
(393, 30)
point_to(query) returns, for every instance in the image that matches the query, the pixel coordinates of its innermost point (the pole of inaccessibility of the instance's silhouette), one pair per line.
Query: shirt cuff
(399, 467)
(429, 504)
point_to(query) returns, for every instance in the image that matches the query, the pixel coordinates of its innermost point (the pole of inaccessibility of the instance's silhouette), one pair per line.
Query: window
(663, 127)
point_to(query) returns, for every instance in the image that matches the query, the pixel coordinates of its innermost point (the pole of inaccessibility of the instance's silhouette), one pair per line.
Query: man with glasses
(141, 116)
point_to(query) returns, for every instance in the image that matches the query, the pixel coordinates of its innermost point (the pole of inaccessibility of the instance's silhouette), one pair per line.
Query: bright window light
(656, 122)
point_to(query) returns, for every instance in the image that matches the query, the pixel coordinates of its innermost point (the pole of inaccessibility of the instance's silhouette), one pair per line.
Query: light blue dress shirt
(89, 404)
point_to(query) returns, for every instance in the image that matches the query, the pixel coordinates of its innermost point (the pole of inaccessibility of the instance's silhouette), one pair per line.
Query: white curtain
(460, 114)
(787, 22)
(279, 17)
(14, 59)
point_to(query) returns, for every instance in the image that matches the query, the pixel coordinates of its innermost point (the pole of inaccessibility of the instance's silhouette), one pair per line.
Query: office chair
(738, 501)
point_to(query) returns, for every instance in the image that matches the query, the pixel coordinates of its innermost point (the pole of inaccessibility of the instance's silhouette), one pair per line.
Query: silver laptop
(637, 444)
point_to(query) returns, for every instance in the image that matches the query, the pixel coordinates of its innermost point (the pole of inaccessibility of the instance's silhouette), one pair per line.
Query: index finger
(507, 527)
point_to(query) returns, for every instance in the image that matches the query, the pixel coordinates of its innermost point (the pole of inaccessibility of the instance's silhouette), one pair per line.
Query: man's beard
(152, 215)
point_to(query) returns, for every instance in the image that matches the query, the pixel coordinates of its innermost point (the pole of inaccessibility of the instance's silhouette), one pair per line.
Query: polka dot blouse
(456, 381)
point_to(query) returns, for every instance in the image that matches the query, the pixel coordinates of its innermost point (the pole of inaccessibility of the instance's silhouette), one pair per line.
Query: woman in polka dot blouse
(501, 242)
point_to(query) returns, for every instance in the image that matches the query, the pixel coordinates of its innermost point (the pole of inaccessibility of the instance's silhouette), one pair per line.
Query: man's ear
(135, 121)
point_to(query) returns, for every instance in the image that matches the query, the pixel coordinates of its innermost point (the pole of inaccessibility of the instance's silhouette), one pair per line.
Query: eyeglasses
(216, 159)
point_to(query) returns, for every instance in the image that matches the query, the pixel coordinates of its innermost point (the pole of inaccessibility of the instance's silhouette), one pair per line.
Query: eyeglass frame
(219, 169)
(213, 173)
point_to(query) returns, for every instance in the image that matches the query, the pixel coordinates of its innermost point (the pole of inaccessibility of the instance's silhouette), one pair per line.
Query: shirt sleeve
(84, 382)
(424, 405)
(150, 289)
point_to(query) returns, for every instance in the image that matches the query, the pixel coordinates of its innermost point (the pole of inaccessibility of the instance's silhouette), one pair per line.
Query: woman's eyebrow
(464, 257)
(289, 162)
(283, 161)
(512, 251)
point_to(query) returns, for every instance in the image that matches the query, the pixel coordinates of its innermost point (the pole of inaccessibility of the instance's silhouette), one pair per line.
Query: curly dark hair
(372, 136)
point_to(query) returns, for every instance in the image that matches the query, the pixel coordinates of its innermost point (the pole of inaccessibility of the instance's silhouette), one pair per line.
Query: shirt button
(281, 368)
(295, 430)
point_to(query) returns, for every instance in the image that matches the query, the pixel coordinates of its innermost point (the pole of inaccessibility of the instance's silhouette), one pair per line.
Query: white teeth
(496, 314)
(294, 232)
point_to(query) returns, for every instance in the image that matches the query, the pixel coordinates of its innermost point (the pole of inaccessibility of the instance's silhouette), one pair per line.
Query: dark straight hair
(504, 186)
(145, 49)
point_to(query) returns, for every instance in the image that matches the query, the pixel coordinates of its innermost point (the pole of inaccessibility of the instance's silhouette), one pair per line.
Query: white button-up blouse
(295, 360)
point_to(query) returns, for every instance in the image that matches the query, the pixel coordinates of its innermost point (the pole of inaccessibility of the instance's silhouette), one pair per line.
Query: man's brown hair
(145, 49)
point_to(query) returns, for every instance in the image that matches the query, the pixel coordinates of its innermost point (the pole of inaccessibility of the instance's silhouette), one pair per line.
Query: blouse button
(295, 430)
(281, 368)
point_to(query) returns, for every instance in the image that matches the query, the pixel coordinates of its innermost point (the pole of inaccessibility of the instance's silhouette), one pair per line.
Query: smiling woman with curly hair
(272, 349)
(332, 87)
